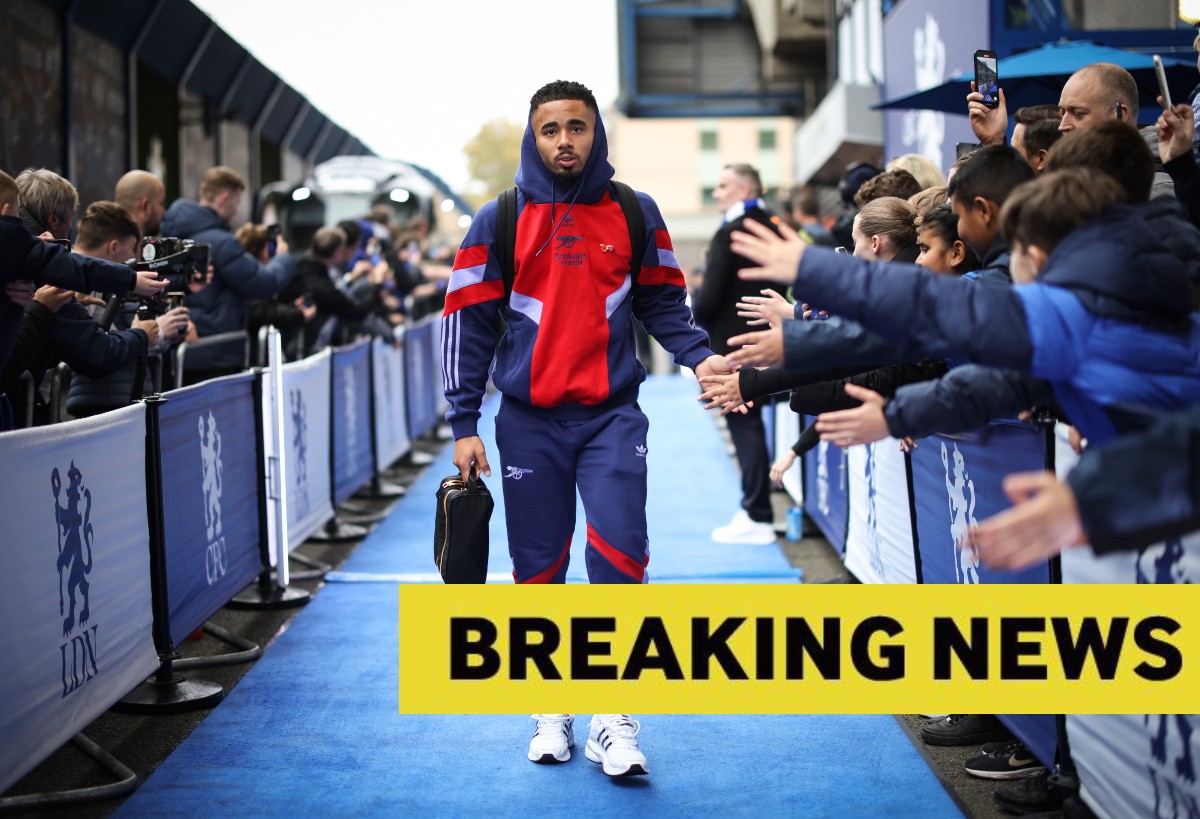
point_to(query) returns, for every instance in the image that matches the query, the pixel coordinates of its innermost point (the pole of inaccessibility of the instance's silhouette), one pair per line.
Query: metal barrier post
(272, 592)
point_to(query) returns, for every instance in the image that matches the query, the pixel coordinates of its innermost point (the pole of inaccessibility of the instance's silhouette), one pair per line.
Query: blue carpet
(313, 728)
(693, 489)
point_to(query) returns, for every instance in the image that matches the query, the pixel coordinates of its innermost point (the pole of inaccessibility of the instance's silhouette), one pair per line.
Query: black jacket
(24, 257)
(1142, 488)
(964, 399)
(312, 280)
(714, 304)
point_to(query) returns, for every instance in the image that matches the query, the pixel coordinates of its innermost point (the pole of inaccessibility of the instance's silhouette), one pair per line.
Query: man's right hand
(469, 452)
(148, 283)
(989, 124)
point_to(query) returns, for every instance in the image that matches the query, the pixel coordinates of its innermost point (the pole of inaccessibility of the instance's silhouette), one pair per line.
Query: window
(708, 140)
(766, 140)
(706, 196)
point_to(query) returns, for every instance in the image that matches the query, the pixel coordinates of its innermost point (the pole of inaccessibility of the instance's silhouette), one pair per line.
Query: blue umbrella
(1037, 76)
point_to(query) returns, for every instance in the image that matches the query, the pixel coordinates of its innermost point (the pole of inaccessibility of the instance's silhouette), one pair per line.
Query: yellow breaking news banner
(776, 649)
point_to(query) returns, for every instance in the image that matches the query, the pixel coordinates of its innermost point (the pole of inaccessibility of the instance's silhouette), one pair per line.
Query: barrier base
(127, 783)
(382, 490)
(352, 507)
(319, 569)
(173, 696)
(336, 531)
(249, 651)
(257, 598)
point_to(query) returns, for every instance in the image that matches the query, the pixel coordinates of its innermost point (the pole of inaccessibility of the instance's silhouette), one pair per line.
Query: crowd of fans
(84, 329)
(1066, 267)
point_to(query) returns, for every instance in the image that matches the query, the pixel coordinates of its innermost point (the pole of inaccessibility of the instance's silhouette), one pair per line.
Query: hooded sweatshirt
(568, 351)
(1108, 322)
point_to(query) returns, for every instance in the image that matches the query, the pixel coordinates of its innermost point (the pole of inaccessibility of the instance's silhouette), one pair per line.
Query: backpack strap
(506, 231)
(636, 220)
(506, 238)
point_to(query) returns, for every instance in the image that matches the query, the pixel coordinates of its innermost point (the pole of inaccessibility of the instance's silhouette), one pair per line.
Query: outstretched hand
(865, 424)
(778, 255)
(761, 349)
(1043, 521)
(722, 392)
(769, 308)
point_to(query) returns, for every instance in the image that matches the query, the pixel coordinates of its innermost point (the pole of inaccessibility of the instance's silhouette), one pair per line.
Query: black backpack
(506, 231)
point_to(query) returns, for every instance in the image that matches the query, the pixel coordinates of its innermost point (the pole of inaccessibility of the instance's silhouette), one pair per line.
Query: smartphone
(987, 78)
(272, 240)
(840, 249)
(1161, 73)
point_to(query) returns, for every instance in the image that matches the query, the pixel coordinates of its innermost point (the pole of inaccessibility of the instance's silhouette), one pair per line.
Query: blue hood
(187, 218)
(1119, 266)
(539, 185)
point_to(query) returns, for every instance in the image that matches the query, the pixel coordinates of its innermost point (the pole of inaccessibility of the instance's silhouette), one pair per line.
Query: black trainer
(964, 729)
(1018, 763)
(1032, 795)
(1000, 748)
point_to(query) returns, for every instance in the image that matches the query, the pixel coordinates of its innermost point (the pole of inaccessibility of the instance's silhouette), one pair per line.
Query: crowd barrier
(163, 511)
(895, 517)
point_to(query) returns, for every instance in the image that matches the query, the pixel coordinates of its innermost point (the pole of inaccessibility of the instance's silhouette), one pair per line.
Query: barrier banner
(75, 591)
(1081, 565)
(305, 437)
(1142, 765)
(787, 432)
(825, 491)
(957, 483)
(879, 539)
(391, 413)
(352, 464)
(422, 368)
(210, 497)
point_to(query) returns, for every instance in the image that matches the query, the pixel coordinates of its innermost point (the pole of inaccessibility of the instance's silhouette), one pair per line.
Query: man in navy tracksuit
(567, 370)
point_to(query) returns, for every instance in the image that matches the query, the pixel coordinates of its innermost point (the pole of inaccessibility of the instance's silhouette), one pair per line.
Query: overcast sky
(416, 80)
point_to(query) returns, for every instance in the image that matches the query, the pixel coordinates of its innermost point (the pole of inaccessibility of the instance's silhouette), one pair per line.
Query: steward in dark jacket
(237, 276)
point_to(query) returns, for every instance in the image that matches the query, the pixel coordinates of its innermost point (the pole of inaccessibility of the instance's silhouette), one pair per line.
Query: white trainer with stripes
(612, 742)
(553, 738)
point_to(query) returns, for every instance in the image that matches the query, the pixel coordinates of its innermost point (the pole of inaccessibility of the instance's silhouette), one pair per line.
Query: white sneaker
(744, 530)
(612, 742)
(553, 738)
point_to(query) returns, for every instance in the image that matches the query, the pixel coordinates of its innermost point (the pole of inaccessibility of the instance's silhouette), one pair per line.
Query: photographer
(315, 276)
(237, 276)
(288, 317)
(73, 335)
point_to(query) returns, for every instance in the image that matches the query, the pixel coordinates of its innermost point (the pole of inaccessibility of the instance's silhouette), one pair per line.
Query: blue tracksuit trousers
(543, 460)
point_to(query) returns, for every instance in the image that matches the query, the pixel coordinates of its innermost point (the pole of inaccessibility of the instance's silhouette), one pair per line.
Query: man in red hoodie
(567, 369)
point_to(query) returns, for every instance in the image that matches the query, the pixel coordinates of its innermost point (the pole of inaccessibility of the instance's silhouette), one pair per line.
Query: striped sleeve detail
(467, 284)
(666, 268)
(474, 294)
(451, 325)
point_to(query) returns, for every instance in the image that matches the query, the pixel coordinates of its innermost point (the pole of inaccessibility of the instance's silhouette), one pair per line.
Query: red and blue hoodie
(569, 349)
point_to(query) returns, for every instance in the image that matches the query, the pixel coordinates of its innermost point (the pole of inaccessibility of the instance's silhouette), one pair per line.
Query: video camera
(182, 261)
